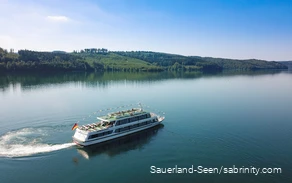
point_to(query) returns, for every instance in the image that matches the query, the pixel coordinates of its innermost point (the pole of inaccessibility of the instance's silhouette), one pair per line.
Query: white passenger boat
(115, 125)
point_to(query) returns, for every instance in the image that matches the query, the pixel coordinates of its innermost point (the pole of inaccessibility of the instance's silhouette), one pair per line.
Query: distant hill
(26, 60)
(202, 63)
(172, 61)
(287, 63)
(112, 61)
(58, 51)
(102, 60)
(251, 64)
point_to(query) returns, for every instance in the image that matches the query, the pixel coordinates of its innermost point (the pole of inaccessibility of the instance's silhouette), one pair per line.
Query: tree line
(92, 50)
(172, 61)
(100, 59)
(46, 61)
(177, 62)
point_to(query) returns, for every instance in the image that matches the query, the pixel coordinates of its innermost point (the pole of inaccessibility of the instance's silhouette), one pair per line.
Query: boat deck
(122, 114)
(110, 118)
(94, 127)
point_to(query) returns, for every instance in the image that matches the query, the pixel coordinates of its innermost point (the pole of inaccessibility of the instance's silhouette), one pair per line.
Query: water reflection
(28, 81)
(121, 145)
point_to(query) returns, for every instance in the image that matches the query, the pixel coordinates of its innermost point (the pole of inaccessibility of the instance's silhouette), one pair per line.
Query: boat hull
(115, 135)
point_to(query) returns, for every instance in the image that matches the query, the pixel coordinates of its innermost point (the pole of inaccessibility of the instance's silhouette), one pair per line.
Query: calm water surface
(212, 120)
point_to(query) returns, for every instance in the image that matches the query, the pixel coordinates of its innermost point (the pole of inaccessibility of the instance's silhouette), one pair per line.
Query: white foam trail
(10, 135)
(19, 150)
(19, 143)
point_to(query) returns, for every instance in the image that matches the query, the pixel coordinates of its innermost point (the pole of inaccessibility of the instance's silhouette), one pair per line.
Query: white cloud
(58, 18)
(44, 26)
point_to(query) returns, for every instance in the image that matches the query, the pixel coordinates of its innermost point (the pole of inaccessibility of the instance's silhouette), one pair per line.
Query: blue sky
(240, 29)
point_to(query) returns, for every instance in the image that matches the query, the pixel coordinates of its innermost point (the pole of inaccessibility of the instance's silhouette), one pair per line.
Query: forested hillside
(251, 64)
(94, 59)
(172, 61)
(32, 60)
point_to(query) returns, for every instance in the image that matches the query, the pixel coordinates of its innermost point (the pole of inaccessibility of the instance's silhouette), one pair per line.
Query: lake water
(212, 120)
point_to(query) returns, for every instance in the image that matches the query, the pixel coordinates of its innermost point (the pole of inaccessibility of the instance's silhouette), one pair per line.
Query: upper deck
(110, 119)
(122, 114)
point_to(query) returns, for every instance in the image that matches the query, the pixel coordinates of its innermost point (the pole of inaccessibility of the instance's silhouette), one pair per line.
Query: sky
(240, 29)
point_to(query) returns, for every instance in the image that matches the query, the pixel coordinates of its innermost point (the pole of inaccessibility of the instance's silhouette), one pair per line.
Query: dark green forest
(26, 60)
(93, 59)
(287, 63)
(172, 61)
(250, 64)
(202, 63)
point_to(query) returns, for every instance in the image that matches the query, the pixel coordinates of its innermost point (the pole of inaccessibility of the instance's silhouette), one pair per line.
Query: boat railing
(96, 126)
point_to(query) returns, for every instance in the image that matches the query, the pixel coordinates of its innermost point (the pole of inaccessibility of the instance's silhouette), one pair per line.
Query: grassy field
(113, 61)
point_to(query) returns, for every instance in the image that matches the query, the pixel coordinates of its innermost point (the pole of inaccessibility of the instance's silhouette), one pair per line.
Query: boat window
(123, 129)
(125, 121)
(133, 119)
(95, 136)
(122, 122)
(135, 126)
(141, 117)
(100, 134)
(108, 132)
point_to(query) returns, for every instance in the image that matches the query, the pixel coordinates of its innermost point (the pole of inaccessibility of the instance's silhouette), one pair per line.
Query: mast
(141, 106)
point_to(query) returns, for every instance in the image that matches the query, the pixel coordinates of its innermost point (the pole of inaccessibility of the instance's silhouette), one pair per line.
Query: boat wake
(27, 142)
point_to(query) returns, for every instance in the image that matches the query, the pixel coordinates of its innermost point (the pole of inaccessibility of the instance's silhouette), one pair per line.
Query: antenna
(141, 106)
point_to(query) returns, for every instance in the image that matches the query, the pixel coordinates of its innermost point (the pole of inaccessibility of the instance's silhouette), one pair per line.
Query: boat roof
(122, 114)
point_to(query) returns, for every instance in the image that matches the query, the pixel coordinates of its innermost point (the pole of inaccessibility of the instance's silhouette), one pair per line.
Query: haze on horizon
(223, 28)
